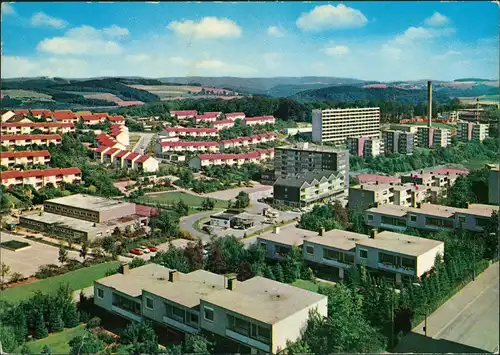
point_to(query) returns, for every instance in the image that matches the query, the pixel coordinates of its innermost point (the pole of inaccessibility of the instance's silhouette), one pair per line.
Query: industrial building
(335, 125)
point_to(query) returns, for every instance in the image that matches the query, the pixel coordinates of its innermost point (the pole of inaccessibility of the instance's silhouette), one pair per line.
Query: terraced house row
(28, 158)
(42, 127)
(206, 160)
(125, 159)
(41, 178)
(66, 116)
(26, 140)
(259, 314)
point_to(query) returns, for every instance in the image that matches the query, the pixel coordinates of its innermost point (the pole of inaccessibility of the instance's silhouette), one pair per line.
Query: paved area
(468, 322)
(187, 225)
(28, 261)
(179, 243)
(143, 142)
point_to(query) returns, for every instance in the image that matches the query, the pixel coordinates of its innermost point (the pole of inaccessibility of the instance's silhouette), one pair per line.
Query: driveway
(28, 261)
(146, 138)
(187, 225)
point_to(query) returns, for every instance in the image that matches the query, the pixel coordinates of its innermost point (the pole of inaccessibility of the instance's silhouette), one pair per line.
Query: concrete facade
(493, 185)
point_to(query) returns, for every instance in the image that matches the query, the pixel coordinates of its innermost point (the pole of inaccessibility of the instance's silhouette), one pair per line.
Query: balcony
(179, 325)
(395, 268)
(246, 340)
(126, 314)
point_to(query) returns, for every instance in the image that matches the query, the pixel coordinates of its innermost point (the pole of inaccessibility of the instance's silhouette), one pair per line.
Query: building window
(149, 303)
(208, 314)
(363, 253)
(370, 217)
(413, 218)
(309, 250)
(331, 254)
(461, 219)
(100, 293)
(263, 244)
(281, 250)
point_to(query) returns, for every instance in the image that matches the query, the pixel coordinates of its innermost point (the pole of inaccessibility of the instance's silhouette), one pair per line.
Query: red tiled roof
(223, 122)
(450, 171)
(105, 139)
(15, 137)
(132, 156)
(205, 117)
(63, 115)
(30, 153)
(213, 113)
(101, 149)
(231, 114)
(116, 118)
(145, 211)
(46, 113)
(254, 154)
(111, 151)
(122, 153)
(184, 113)
(259, 118)
(21, 112)
(190, 129)
(142, 158)
(37, 124)
(94, 117)
(188, 144)
(365, 178)
(47, 172)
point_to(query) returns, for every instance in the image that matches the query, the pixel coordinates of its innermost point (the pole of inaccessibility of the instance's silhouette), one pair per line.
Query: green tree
(181, 208)
(137, 262)
(197, 344)
(298, 347)
(70, 317)
(280, 275)
(8, 338)
(87, 344)
(56, 323)
(194, 254)
(25, 350)
(63, 255)
(242, 200)
(84, 250)
(268, 272)
(173, 258)
(4, 271)
(46, 350)
(40, 328)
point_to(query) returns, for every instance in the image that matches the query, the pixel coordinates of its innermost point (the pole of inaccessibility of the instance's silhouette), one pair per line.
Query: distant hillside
(264, 86)
(472, 79)
(353, 93)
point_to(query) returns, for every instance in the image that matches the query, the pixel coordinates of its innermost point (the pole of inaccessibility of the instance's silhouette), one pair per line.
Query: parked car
(152, 248)
(136, 251)
(144, 249)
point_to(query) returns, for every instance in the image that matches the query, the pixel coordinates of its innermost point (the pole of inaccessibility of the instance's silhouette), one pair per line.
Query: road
(468, 322)
(143, 142)
(187, 225)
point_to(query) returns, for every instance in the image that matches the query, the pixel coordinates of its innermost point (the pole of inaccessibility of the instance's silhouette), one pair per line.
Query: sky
(383, 41)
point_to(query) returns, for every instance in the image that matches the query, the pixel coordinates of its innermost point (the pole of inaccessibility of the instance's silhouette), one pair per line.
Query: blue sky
(365, 40)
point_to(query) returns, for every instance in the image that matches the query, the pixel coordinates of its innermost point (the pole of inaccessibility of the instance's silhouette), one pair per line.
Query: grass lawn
(12, 199)
(192, 201)
(58, 342)
(14, 244)
(77, 280)
(134, 138)
(306, 285)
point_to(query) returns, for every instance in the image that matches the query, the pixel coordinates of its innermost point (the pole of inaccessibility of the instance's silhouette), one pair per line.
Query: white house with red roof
(126, 159)
(252, 121)
(186, 146)
(41, 113)
(235, 116)
(41, 178)
(65, 116)
(24, 140)
(28, 127)
(104, 139)
(245, 142)
(94, 119)
(120, 133)
(31, 157)
(183, 114)
(223, 124)
(206, 160)
(190, 132)
(118, 120)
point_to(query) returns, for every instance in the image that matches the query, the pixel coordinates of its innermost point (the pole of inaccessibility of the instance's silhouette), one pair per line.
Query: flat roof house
(258, 313)
(280, 241)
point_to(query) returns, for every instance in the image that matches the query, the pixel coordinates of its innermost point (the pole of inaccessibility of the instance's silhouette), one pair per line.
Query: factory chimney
(429, 102)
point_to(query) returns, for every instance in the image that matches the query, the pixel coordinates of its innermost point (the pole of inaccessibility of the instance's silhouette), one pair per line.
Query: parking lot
(179, 243)
(28, 261)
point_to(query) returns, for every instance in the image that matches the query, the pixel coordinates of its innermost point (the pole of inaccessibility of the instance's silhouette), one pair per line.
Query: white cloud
(390, 52)
(7, 9)
(116, 31)
(331, 17)
(337, 50)
(448, 54)
(41, 19)
(275, 31)
(137, 57)
(84, 40)
(28, 67)
(413, 34)
(222, 67)
(207, 27)
(437, 19)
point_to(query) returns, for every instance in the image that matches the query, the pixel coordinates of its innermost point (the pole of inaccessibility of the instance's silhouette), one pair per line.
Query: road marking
(463, 309)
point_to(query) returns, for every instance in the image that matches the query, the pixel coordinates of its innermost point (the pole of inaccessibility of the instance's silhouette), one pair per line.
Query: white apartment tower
(336, 124)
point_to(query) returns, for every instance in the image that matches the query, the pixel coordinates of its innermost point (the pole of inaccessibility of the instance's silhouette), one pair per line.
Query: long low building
(259, 313)
(430, 217)
(29, 158)
(41, 178)
(223, 124)
(183, 114)
(27, 140)
(336, 251)
(205, 160)
(29, 127)
(235, 116)
(187, 146)
(252, 121)
(126, 159)
(244, 142)
(189, 132)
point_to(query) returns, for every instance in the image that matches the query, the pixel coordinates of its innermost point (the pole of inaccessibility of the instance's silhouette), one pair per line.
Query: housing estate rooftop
(435, 210)
(312, 147)
(264, 300)
(338, 239)
(288, 235)
(400, 243)
(88, 202)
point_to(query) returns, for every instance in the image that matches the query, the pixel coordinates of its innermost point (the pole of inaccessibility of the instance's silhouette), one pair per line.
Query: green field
(306, 285)
(58, 342)
(26, 95)
(77, 280)
(192, 201)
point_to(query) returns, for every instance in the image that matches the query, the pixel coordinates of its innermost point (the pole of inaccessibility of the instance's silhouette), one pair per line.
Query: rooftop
(364, 178)
(39, 173)
(400, 243)
(372, 187)
(309, 177)
(305, 146)
(338, 239)
(390, 210)
(264, 300)
(94, 203)
(288, 235)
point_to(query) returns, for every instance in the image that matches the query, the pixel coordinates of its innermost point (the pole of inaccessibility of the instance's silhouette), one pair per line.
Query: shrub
(16, 277)
(94, 322)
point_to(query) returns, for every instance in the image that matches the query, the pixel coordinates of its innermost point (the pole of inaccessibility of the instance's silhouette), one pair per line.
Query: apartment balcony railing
(396, 268)
(247, 340)
(180, 325)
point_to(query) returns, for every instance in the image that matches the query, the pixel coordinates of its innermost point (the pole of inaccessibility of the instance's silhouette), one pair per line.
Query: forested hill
(353, 93)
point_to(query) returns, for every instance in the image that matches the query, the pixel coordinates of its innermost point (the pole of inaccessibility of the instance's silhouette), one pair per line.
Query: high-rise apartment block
(305, 157)
(470, 131)
(398, 142)
(335, 125)
(432, 137)
(365, 147)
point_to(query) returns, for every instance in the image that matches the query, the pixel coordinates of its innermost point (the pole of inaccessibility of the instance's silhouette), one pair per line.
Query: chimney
(276, 230)
(173, 275)
(231, 283)
(429, 102)
(419, 205)
(373, 233)
(322, 232)
(124, 268)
